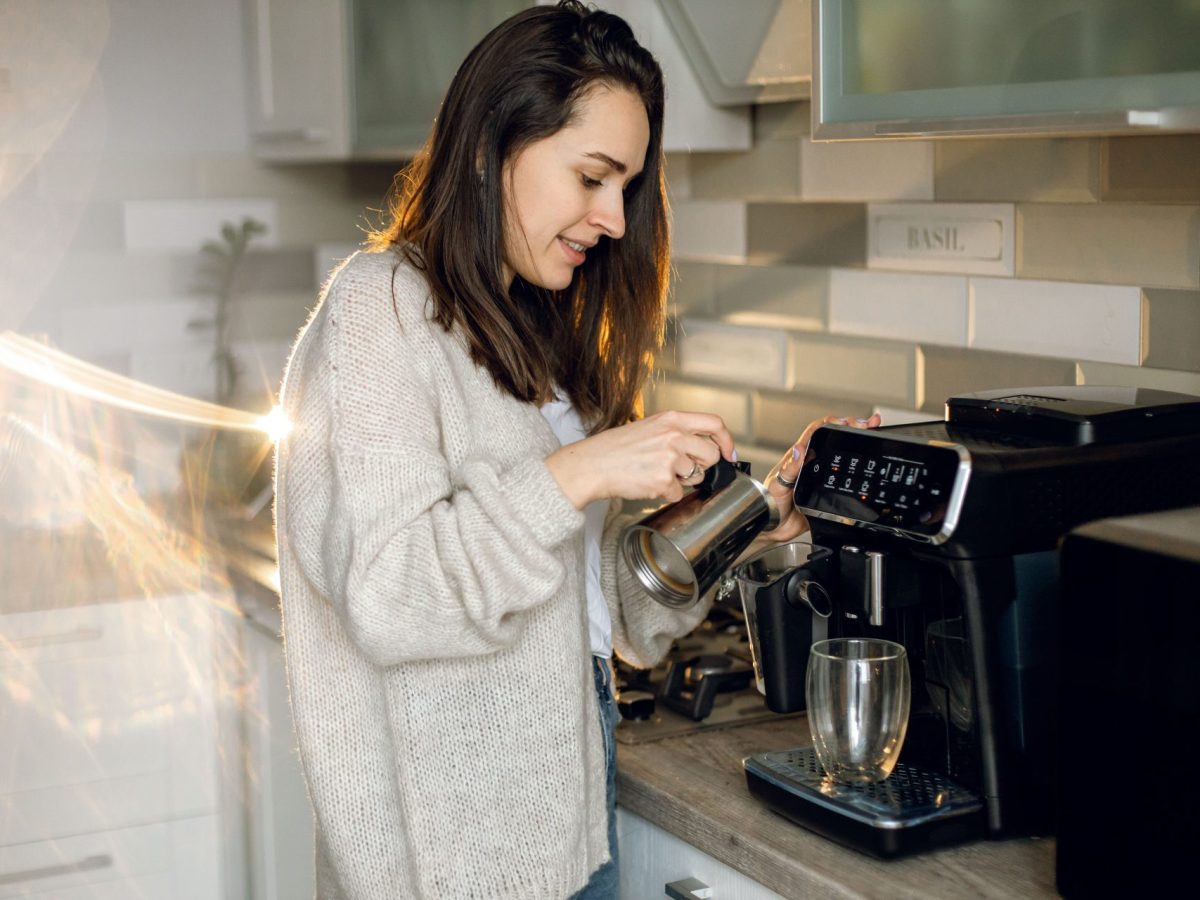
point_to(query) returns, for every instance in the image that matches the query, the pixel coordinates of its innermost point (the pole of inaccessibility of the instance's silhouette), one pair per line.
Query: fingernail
(735, 455)
(861, 421)
(844, 421)
(795, 453)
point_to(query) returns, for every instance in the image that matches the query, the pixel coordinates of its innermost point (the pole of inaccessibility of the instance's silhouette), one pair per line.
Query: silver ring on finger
(696, 470)
(787, 484)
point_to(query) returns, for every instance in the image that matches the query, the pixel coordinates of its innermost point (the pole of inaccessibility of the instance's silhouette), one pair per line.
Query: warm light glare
(56, 369)
(275, 424)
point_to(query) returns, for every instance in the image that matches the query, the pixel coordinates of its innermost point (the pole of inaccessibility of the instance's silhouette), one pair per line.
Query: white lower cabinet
(652, 858)
(167, 860)
(279, 817)
(119, 733)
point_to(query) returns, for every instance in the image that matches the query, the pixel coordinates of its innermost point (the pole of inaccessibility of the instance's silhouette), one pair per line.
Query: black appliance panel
(895, 482)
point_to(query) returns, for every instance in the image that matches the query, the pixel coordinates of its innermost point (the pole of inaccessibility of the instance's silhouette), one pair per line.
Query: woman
(465, 407)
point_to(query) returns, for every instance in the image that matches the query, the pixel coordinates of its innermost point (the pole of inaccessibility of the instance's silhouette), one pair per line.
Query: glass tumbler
(858, 692)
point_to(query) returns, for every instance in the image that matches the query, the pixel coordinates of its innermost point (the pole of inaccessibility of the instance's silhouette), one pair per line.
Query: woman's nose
(609, 213)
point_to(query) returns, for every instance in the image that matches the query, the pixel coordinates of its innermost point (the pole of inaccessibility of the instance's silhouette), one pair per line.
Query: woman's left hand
(792, 523)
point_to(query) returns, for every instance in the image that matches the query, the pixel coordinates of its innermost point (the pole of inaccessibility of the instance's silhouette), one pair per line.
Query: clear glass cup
(858, 692)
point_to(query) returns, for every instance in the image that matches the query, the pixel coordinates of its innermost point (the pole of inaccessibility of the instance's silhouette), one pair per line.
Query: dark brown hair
(597, 337)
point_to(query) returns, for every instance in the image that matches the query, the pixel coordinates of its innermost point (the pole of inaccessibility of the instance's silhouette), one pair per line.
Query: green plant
(221, 466)
(219, 266)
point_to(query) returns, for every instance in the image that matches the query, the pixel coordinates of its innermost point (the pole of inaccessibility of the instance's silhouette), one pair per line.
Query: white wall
(128, 146)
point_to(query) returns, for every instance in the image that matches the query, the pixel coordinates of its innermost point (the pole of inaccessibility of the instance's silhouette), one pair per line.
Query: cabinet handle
(75, 636)
(100, 861)
(688, 889)
(303, 135)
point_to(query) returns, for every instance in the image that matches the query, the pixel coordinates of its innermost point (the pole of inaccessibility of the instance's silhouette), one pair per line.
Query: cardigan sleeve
(643, 628)
(421, 561)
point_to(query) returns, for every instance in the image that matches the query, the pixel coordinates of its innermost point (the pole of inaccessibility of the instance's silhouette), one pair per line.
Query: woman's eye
(589, 182)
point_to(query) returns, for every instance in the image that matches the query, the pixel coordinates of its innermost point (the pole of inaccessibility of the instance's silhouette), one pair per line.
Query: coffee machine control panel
(886, 482)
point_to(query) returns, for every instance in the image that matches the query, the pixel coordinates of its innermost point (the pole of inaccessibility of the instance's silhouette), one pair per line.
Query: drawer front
(652, 858)
(174, 861)
(101, 629)
(113, 717)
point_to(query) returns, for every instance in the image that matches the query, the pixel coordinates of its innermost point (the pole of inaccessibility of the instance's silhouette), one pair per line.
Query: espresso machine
(942, 536)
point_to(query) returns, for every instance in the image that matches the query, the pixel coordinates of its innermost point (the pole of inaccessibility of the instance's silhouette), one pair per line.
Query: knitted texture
(434, 612)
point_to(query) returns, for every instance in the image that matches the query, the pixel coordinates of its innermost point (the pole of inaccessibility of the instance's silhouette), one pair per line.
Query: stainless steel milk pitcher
(680, 551)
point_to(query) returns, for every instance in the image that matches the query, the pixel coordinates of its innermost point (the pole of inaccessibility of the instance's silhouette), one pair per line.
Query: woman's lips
(575, 256)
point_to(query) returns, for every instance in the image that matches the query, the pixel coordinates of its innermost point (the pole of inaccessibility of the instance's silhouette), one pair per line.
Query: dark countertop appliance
(1131, 593)
(943, 536)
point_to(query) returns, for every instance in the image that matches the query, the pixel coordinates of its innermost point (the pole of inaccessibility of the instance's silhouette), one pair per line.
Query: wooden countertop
(694, 787)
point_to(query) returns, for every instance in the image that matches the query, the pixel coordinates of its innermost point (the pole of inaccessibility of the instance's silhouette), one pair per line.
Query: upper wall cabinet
(356, 79)
(300, 78)
(362, 79)
(752, 51)
(693, 121)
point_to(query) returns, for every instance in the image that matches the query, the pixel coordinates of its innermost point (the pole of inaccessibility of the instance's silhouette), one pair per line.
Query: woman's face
(564, 193)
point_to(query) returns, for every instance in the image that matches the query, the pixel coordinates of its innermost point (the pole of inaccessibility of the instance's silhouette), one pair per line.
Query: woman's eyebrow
(615, 164)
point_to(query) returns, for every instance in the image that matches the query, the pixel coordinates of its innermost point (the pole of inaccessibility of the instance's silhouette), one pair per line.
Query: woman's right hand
(655, 457)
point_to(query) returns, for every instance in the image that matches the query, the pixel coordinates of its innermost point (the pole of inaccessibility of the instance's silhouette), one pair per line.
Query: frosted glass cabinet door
(405, 55)
(299, 73)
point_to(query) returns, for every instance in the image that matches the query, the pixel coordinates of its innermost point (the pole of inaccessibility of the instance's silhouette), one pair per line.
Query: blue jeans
(603, 883)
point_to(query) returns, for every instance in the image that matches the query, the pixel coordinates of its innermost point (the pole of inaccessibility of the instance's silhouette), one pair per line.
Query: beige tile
(1060, 170)
(866, 170)
(791, 297)
(1158, 168)
(876, 371)
(709, 229)
(769, 170)
(1136, 376)
(730, 404)
(814, 234)
(947, 371)
(898, 305)
(324, 220)
(87, 278)
(693, 288)
(782, 120)
(678, 174)
(780, 418)
(1117, 243)
(1172, 338)
(716, 350)
(118, 177)
(1057, 318)
(266, 316)
(968, 238)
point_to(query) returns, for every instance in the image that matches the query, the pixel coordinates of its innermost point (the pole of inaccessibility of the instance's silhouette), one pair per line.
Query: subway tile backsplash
(866, 170)
(1150, 245)
(1095, 277)
(1100, 322)
(903, 306)
(709, 229)
(878, 371)
(166, 225)
(757, 356)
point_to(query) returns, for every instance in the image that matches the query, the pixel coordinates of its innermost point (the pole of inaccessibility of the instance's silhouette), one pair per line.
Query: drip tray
(912, 811)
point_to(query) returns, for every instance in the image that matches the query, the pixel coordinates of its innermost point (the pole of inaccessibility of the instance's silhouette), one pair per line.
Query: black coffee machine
(942, 536)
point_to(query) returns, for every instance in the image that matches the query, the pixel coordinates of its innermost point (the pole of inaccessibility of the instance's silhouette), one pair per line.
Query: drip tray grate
(909, 797)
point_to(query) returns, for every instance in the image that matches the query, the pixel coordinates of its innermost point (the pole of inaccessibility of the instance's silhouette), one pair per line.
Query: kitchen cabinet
(651, 858)
(279, 817)
(692, 122)
(753, 51)
(299, 79)
(362, 79)
(118, 746)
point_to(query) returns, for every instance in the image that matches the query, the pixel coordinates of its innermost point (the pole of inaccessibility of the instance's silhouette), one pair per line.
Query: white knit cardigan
(434, 612)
